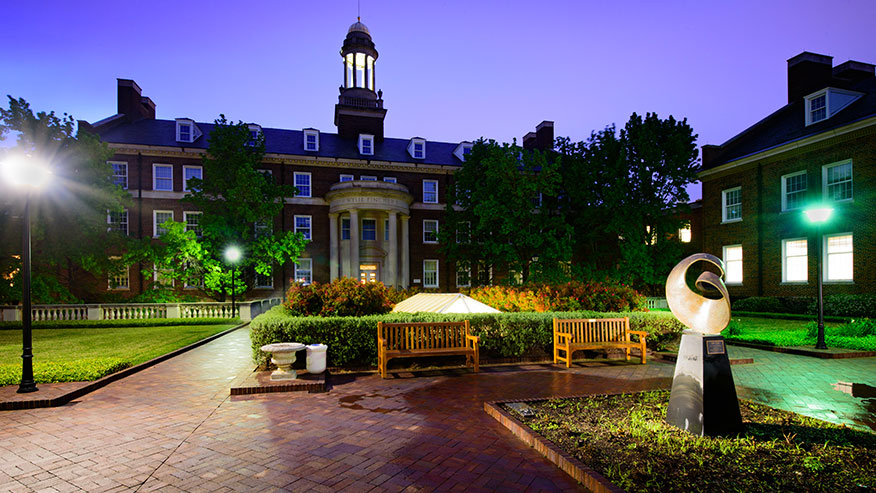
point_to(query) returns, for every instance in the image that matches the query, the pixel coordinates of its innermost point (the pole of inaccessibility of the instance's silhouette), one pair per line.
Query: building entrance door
(368, 273)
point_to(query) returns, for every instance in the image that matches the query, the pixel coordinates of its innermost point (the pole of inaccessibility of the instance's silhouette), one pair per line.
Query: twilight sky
(449, 70)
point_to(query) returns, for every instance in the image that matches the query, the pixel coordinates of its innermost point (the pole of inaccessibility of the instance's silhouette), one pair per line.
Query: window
(303, 271)
(732, 205)
(386, 230)
(430, 191)
(345, 228)
(430, 231)
(838, 181)
(463, 232)
(733, 264)
(793, 191)
(430, 273)
(825, 103)
(369, 229)
(366, 144)
(684, 234)
(795, 260)
(311, 140)
(838, 260)
(302, 225)
(264, 281)
(462, 150)
(120, 174)
(390, 179)
(817, 108)
(193, 222)
(120, 279)
(184, 132)
(162, 177)
(263, 228)
(417, 148)
(346, 178)
(117, 221)
(162, 276)
(254, 132)
(368, 178)
(463, 274)
(159, 218)
(190, 172)
(302, 183)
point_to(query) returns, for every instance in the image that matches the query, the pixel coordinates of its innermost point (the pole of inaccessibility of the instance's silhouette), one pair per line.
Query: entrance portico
(364, 239)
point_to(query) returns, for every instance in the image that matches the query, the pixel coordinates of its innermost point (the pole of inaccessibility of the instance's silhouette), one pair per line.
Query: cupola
(360, 105)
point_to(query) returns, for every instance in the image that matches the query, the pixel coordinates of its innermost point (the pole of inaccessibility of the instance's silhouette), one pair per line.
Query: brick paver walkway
(173, 427)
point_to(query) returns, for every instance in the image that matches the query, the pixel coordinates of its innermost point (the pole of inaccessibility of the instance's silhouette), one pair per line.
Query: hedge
(97, 324)
(837, 305)
(352, 341)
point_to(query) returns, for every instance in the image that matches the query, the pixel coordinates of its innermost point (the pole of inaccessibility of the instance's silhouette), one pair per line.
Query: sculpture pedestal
(703, 399)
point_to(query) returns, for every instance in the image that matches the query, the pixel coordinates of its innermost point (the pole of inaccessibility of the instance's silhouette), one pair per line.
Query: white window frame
(437, 278)
(300, 269)
(785, 190)
(362, 232)
(362, 139)
(425, 192)
(685, 233)
(460, 151)
(345, 177)
(412, 148)
(390, 179)
(186, 180)
(827, 258)
(109, 220)
(727, 269)
(309, 185)
(119, 286)
(253, 128)
(367, 178)
(430, 221)
(724, 204)
(785, 258)
(461, 268)
(155, 274)
(115, 176)
(831, 105)
(186, 215)
(179, 127)
(809, 99)
(155, 222)
(824, 184)
(308, 231)
(155, 167)
(311, 133)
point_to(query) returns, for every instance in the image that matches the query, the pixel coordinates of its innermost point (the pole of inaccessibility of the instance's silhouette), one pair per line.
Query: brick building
(370, 205)
(818, 148)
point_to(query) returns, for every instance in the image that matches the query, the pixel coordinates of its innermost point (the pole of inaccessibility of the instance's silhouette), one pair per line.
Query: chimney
(132, 104)
(853, 72)
(529, 140)
(544, 133)
(710, 152)
(807, 73)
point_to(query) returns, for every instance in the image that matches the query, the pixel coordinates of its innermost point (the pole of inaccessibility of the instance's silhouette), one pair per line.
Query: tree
(239, 204)
(69, 218)
(624, 195)
(506, 212)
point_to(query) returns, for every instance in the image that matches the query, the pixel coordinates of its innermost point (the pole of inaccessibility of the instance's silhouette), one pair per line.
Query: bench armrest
(640, 333)
(474, 339)
(563, 335)
(381, 342)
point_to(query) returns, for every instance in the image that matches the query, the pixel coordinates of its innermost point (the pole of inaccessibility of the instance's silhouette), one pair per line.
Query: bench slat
(398, 340)
(593, 334)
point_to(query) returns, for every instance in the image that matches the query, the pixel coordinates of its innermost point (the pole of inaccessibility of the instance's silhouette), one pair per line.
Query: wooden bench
(595, 333)
(409, 340)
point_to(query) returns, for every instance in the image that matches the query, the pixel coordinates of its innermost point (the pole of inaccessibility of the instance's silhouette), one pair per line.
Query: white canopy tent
(442, 303)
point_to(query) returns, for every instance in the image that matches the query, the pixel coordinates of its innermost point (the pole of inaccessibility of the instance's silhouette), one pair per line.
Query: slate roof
(280, 141)
(788, 124)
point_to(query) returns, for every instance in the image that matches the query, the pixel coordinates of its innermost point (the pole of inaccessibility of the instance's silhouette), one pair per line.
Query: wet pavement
(173, 427)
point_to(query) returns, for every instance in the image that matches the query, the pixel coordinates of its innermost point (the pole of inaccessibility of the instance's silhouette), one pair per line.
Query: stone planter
(283, 355)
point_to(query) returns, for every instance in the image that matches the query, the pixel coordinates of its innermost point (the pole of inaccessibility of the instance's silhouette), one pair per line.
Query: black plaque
(715, 347)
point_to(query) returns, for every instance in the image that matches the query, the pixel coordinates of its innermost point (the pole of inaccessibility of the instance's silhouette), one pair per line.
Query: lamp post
(818, 216)
(232, 256)
(27, 174)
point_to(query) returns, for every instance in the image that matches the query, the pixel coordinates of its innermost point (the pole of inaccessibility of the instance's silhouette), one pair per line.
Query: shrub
(571, 296)
(352, 340)
(343, 297)
(81, 370)
(839, 305)
(847, 305)
(758, 304)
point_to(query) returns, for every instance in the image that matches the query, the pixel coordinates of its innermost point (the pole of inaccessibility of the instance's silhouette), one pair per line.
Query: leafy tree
(69, 217)
(508, 212)
(239, 204)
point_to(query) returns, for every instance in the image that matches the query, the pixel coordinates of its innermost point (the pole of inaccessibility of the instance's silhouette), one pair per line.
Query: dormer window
(311, 139)
(366, 144)
(462, 150)
(417, 148)
(254, 131)
(186, 130)
(827, 102)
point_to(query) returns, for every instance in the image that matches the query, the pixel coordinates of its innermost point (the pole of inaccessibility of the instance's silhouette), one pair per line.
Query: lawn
(625, 438)
(81, 354)
(791, 332)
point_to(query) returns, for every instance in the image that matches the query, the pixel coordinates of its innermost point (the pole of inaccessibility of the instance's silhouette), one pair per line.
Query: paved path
(173, 427)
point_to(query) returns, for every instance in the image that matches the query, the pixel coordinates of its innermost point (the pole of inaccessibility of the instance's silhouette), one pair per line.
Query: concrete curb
(102, 382)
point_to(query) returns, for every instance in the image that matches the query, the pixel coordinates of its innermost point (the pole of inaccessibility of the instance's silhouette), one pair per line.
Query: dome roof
(358, 26)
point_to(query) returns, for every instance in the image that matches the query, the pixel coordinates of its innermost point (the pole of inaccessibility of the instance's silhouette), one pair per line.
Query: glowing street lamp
(232, 256)
(818, 216)
(28, 175)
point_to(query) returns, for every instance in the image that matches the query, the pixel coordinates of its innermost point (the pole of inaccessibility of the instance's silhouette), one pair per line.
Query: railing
(654, 303)
(361, 102)
(246, 310)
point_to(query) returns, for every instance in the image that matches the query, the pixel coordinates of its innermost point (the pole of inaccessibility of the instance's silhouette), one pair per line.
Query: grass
(794, 332)
(624, 438)
(83, 354)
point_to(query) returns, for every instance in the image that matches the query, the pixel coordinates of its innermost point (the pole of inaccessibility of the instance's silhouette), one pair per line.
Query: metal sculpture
(700, 314)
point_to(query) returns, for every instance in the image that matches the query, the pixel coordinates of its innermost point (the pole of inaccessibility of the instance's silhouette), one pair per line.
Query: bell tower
(360, 106)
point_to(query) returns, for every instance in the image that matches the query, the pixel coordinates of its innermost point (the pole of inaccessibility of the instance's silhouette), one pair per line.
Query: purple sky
(449, 70)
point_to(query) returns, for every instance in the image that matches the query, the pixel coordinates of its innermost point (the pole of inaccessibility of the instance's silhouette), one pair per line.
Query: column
(333, 246)
(354, 244)
(406, 254)
(392, 261)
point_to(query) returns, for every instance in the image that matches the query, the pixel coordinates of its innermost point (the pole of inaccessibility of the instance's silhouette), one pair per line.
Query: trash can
(316, 354)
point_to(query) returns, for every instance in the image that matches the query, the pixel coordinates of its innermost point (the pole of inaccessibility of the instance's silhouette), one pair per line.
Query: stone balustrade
(654, 303)
(246, 310)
